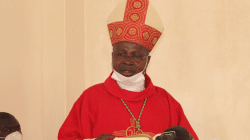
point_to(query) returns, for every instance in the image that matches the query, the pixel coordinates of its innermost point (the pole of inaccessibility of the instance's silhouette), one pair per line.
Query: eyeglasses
(123, 56)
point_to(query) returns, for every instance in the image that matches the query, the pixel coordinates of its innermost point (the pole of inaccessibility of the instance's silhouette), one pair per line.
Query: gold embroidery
(132, 31)
(127, 33)
(154, 40)
(137, 4)
(134, 17)
(131, 131)
(119, 31)
(111, 33)
(145, 35)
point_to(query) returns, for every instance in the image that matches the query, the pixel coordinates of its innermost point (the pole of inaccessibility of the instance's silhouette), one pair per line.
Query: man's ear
(149, 58)
(112, 57)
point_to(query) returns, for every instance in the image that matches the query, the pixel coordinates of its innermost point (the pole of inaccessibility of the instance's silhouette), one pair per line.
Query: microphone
(173, 133)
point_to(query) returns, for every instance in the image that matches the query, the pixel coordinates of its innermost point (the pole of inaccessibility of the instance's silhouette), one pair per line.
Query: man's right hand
(105, 137)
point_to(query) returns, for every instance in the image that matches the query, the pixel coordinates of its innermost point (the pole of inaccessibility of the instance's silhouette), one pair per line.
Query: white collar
(134, 83)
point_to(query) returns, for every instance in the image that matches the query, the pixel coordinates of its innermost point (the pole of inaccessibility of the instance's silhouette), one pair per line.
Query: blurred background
(51, 50)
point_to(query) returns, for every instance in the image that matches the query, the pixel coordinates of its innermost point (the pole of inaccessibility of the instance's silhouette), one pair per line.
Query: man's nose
(128, 60)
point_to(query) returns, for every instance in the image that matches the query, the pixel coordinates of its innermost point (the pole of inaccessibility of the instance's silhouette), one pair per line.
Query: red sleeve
(78, 123)
(70, 129)
(178, 117)
(183, 121)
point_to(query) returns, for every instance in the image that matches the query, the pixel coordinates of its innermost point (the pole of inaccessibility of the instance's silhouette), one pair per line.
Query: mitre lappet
(136, 21)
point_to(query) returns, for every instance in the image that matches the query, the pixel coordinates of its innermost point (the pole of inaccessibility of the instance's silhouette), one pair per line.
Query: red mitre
(136, 21)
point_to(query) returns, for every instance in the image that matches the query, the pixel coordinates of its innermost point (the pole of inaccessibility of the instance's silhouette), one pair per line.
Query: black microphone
(174, 133)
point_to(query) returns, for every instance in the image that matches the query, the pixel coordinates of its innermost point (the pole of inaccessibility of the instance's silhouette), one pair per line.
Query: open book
(137, 137)
(162, 136)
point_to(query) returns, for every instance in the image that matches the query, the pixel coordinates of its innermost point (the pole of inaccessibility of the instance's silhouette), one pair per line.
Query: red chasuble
(99, 110)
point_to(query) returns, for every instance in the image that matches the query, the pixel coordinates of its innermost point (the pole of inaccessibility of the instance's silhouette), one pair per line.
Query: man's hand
(105, 137)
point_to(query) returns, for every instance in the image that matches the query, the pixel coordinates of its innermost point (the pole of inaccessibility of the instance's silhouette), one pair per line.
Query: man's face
(127, 66)
(8, 125)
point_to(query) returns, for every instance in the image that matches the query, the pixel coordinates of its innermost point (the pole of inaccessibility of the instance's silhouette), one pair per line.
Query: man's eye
(136, 56)
(120, 54)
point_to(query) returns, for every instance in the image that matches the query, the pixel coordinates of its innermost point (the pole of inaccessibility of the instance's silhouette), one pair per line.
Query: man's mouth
(127, 72)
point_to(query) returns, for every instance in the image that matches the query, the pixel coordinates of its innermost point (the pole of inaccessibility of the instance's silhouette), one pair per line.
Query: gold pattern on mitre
(154, 40)
(119, 31)
(137, 4)
(145, 35)
(132, 31)
(134, 17)
(111, 33)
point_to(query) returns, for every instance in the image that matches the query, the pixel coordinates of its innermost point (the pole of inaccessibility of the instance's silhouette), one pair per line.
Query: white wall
(50, 51)
(21, 64)
(32, 40)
